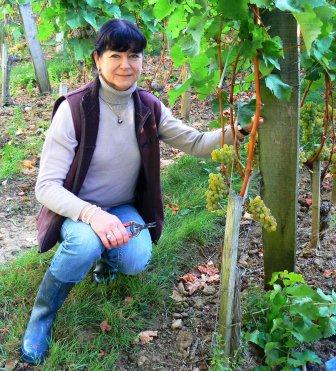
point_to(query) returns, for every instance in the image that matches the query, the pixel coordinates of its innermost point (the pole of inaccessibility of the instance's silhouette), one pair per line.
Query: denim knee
(132, 261)
(79, 249)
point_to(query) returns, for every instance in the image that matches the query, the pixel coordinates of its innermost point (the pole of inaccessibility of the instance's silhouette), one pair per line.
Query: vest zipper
(142, 123)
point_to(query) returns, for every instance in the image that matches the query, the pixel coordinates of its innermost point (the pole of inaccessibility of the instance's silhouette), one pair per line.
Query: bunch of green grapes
(311, 122)
(302, 157)
(256, 152)
(224, 155)
(333, 164)
(262, 214)
(325, 154)
(217, 189)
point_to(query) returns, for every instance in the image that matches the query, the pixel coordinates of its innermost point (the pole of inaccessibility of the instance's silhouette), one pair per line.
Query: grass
(77, 336)
(17, 147)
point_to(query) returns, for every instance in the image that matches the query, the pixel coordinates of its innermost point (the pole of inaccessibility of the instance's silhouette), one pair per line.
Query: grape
(224, 155)
(311, 122)
(262, 214)
(217, 189)
(325, 154)
(302, 157)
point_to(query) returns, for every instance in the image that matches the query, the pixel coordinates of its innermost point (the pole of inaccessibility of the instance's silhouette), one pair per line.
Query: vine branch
(253, 134)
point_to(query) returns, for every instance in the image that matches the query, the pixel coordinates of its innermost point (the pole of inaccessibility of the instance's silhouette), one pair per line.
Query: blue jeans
(80, 248)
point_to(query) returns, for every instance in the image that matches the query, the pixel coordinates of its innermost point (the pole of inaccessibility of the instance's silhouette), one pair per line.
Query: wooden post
(5, 96)
(279, 147)
(186, 96)
(333, 191)
(314, 243)
(63, 89)
(229, 265)
(35, 49)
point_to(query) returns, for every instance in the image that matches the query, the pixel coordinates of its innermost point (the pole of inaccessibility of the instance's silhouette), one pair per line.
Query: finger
(124, 234)
(106, 241)
(118, 236)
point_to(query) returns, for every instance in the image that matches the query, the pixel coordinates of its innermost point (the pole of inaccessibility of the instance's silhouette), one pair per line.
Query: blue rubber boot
(49, 299)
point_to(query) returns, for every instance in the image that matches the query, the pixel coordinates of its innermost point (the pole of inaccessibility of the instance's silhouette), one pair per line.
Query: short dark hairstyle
(120, 35)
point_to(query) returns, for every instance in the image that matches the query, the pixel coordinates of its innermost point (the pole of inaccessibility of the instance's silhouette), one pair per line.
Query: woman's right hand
(105, 224)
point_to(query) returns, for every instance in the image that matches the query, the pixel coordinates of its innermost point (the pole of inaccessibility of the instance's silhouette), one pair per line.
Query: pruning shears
(135, 228)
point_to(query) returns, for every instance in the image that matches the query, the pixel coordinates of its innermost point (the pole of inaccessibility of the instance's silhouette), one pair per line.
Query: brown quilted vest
(84, 105)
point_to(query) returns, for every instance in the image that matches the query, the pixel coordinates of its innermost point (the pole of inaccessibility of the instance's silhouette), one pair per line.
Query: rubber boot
(49, 299)
(103, 273)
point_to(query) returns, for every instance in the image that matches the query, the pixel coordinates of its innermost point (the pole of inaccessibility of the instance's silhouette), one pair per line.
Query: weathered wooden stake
(5, 97)
(35, 49)
(229, 265)
(63, 89)
(316, 196)
(333, 191)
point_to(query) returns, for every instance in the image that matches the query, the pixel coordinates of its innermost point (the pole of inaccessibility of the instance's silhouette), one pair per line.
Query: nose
(124, 63)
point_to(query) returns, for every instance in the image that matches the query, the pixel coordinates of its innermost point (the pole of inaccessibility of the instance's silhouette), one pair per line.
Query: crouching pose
(99, 169)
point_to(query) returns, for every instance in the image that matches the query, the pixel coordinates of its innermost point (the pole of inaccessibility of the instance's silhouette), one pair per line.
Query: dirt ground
(184, 334)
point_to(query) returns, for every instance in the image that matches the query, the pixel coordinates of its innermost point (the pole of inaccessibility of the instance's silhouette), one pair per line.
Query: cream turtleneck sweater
(115, 165)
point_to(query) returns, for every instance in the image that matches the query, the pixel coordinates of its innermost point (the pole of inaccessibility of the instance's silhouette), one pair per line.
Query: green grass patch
(59, 69)
(17, 148)
(10, 160)
(77, 338)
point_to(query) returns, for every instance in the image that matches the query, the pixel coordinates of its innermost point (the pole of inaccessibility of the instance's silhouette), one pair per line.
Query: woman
(122, 180)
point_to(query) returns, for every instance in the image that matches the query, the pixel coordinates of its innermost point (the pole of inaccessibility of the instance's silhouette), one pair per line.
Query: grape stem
(305, 94)
(255, 124)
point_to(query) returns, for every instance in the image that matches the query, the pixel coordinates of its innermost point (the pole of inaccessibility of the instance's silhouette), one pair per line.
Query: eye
(135, 56)
(114, 55)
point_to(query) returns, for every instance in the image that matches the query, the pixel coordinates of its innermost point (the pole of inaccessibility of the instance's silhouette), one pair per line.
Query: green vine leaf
(278, 87)
(234, 9)
(162, 9)
(310, 26)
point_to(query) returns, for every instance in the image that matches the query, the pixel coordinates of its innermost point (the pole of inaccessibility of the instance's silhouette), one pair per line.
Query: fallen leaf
(174, 208)
(101, 353)
(193, 286)
(208, 269)
(146, 336)
(329, 272)
(214, 278)
(189, 277)
(105, 327)
(28, 164)
(21, 194)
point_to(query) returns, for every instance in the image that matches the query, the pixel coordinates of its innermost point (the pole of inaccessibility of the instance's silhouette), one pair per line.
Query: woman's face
(119, 69)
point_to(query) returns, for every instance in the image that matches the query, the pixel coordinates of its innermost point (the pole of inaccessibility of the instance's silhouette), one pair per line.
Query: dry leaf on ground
(105, 327)
(146, 336)
(208, 269)
(189, 277)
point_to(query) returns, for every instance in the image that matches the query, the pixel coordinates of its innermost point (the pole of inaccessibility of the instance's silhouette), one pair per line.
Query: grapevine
(262, 214)
(217, 189)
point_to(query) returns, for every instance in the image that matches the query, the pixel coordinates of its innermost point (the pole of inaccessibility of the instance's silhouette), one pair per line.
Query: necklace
(118, 114)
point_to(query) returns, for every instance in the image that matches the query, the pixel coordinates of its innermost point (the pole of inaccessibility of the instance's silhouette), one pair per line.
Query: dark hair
(120, 35)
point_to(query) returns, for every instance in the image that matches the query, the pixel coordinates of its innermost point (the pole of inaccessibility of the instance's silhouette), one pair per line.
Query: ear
(96, 57)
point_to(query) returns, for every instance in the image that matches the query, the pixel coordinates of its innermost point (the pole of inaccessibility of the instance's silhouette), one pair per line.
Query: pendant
(120, 121)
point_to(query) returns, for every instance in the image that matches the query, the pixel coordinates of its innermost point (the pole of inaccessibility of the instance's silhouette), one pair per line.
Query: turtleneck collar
(113, 96)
